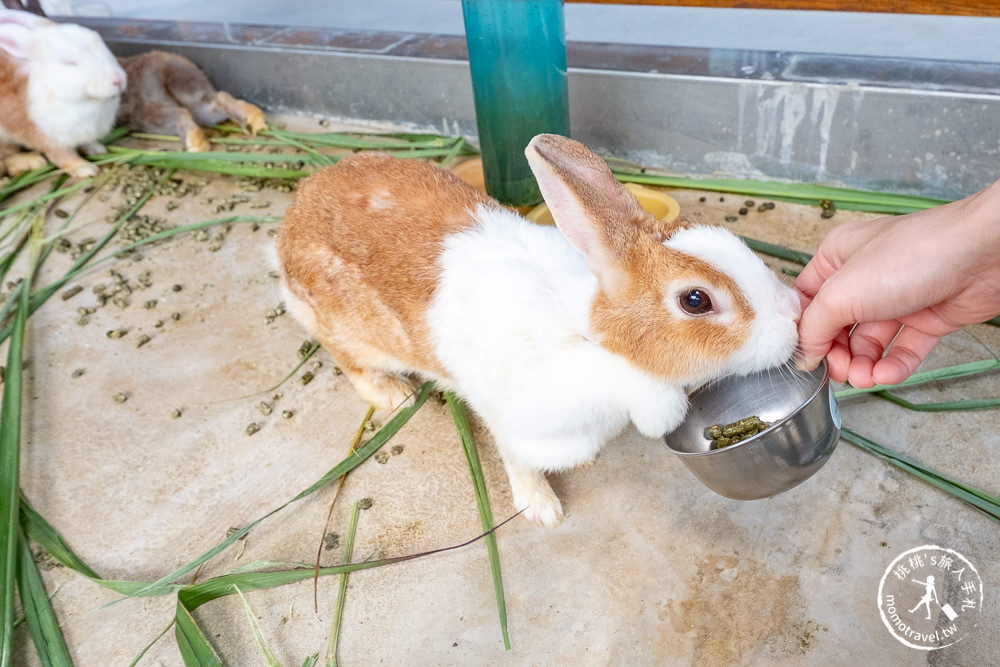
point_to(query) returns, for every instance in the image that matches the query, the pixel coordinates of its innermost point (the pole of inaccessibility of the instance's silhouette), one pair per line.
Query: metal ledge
(927, 127)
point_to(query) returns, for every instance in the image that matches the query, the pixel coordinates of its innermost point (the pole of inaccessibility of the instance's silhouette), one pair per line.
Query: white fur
(74, 83)
(520, 349)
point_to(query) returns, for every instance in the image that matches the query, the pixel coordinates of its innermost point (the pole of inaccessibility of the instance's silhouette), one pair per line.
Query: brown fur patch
(637, 325)
(367, 268)
(634, 269)
(14, 106)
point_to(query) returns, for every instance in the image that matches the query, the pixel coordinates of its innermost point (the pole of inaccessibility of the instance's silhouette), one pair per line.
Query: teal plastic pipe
(517, 55)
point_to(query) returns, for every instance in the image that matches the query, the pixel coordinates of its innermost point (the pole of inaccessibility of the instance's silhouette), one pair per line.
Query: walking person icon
(930, 593)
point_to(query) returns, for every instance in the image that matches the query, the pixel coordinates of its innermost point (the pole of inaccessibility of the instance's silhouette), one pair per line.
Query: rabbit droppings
(59, 91)
(557, 338)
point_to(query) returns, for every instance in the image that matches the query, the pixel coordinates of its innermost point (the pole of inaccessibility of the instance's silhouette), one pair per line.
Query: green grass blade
(380, 438)
(320, 158)
(40, 297)
(483, 502)
(42, 533)
(137, 658)
(778, 251)
(196, 651)
(258, 635)
(237, 164)
(986, 503)
(803, 193)
(42, 622)
(311, 660)
(24, 181)
(55, 194)
(195, 595)
(943, 406)
(940, 374)
(305, 357)
(338, 618)
(10, 460)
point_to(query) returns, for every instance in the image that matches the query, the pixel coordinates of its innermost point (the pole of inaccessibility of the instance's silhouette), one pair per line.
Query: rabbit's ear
(16, 31)
(590, 207)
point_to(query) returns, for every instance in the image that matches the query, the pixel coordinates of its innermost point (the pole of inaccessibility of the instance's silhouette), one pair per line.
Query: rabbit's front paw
(534, 496)
(195, 141)
(383, 390)
(18, 163)
(83, 170)
(92, 148)
(255, 121)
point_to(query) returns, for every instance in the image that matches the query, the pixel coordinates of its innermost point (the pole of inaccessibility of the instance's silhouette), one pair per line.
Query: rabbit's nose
(118, 80)
(791, 306)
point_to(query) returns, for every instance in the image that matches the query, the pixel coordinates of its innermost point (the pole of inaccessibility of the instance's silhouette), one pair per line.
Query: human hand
(879, 294)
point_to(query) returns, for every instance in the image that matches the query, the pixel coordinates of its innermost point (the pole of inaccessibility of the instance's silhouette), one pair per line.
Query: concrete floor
(649, 566)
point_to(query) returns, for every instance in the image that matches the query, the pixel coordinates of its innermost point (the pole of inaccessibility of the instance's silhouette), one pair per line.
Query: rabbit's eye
(696, 302)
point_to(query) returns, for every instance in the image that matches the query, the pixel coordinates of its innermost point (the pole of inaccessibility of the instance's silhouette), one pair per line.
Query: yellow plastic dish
(471, 171)
(659, 204)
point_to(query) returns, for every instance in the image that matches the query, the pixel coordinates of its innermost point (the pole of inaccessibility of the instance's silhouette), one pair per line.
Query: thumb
(821, 321)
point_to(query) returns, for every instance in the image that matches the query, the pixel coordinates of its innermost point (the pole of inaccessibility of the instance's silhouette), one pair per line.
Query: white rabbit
(59, 90)
(557, 338)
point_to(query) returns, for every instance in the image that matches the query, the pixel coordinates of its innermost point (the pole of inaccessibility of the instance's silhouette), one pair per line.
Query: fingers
(821, 322)
(909, 349)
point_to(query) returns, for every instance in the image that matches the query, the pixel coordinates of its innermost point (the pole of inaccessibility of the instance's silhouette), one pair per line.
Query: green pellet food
(723, 435)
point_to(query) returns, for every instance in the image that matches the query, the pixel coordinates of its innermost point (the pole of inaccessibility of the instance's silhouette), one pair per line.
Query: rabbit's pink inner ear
(15, 39)
(577, 223)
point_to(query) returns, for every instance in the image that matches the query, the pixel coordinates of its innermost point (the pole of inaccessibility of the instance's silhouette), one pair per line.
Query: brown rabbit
(168, 94)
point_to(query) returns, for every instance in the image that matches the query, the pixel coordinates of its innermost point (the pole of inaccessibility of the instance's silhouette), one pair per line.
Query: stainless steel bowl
(805, 431)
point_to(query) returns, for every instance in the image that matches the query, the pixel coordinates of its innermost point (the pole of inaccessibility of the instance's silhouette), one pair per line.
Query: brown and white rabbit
(59, 91)
(168, 94)
(557, 338)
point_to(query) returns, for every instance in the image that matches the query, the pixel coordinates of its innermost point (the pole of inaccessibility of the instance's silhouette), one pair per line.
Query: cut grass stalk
(145, 650)
(26, 180)
(42, 199)
(380, 438)
(258, 635)
(982, 501)
(10, 456)
(194, 644)
(320, 158)
(196, 651)
(42, 295)
(42, 622)
(203, 592)
(940, 374)
(42, 533)
(778, 251)
(305, 357)
(801, 193)
(943, 406)
(338, 616)
(483, 502)
(336, 492)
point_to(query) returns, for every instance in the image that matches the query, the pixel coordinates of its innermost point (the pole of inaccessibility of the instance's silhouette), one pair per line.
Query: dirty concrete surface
(649, 566)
